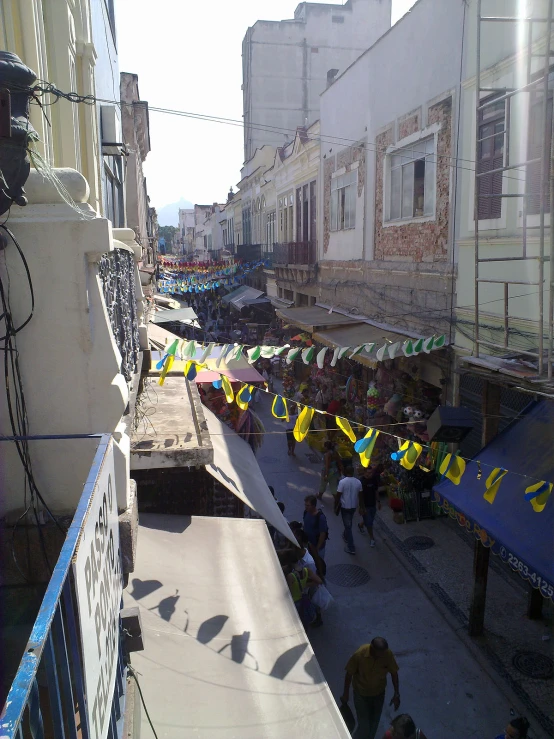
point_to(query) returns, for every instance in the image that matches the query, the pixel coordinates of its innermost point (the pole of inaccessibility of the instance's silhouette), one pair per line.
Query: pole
(477, 181)
(481, 555)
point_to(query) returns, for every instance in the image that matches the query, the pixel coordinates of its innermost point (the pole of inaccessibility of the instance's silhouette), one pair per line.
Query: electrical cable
(42, 88)
(134, 675)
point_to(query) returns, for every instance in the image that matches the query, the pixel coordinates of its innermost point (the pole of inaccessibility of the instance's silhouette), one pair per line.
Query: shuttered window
(536, 135)
(491, 157)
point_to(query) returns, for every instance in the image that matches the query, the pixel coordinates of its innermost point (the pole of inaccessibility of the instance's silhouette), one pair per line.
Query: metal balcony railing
(71, 680)
(117, 273)
(249, 252)
(295, 252)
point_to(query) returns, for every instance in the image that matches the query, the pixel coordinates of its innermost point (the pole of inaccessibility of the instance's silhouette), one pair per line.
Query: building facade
(287, 64)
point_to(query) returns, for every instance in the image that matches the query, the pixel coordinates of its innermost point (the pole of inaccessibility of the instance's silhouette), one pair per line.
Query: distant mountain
(168, 215)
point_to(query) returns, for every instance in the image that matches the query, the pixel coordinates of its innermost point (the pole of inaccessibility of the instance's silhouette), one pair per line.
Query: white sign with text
(99, 585)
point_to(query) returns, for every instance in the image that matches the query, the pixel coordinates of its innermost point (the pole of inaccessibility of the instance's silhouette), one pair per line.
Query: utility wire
(46, 88)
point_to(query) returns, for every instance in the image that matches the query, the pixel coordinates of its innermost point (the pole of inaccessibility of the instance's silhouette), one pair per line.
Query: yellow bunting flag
(453, 467)
(493, 483)
(408, 454)
(364, 447)
(279, 408)
(538, 495)
(346, 428)
(244, 396)
(167, 366)
(190, 370)
(227, 389)
(302, 425)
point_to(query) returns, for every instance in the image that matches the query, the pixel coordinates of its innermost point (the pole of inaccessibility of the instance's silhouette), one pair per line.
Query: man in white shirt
(348, 494)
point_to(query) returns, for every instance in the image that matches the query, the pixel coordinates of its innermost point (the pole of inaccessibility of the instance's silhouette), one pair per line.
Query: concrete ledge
(128, 531)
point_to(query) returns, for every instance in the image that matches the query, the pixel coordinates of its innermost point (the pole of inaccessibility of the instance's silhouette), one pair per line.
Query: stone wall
(405, 295)
(425, 241)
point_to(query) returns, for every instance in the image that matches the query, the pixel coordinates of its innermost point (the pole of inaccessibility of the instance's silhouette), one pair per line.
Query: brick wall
(424, 241)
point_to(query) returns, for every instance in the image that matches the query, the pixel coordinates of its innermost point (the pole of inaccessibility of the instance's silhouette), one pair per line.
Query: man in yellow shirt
(367, 669)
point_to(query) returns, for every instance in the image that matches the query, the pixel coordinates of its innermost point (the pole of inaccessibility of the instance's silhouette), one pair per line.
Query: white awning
(175, 314)
(225, 654)
(236, 467)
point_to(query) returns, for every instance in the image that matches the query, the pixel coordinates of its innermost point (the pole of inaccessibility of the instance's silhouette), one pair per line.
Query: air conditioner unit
(110, 127)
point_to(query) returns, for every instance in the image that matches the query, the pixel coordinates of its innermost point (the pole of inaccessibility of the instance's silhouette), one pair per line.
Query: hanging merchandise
(372, 396)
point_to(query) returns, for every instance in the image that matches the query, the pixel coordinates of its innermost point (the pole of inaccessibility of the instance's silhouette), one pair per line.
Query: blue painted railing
(48, 695)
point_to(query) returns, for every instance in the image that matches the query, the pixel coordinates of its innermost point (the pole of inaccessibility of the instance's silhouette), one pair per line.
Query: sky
(188, 57)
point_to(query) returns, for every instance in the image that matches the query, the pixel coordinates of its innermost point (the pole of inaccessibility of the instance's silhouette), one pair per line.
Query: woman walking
(332, 470)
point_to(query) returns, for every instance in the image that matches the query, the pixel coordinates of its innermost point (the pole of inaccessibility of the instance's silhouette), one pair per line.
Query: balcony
(295, 253)
(249, 252)
(71, 679)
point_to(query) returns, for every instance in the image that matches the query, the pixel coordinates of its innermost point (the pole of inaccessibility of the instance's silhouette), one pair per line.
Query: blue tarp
(523, 538)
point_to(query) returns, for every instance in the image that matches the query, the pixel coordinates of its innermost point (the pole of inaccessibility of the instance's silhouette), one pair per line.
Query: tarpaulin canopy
(236, 467)
(225, 654)
(510, 526)
(242, 290)
(313, 318)
(177, 314)
(239, 299)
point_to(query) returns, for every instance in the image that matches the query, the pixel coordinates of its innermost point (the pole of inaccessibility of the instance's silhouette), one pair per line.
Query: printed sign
(98, 581)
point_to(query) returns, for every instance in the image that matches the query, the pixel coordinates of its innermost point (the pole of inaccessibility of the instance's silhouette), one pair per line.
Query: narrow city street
(441, 685)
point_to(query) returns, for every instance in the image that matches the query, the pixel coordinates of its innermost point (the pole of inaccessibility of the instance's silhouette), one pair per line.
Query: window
(411, 191)
(286, 218)
(270, 228)
(113, 191)
(305, 212)
(491, 156)
(247, 225)
(536, 136)
(343, 201)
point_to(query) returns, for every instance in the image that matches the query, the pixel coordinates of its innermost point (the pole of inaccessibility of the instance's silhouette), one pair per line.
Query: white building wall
(396, 75)
(70, 363)
(285, 63)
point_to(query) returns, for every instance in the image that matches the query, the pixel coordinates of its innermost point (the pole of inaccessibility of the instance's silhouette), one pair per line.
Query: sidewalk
(513, 645)
(442, 685)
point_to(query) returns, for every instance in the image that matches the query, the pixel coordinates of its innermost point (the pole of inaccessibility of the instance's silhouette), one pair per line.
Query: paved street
(441, 684)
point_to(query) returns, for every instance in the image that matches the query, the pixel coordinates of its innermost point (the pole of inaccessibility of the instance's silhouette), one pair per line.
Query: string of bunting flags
(452, 467)
(198, 278)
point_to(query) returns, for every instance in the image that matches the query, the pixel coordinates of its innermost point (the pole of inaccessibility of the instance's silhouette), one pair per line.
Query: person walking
(369, 500)
(516, 729)
(367, 669)
(331, 471)
(348, 499)
(315, 525)
(291, 423)
(403, 727)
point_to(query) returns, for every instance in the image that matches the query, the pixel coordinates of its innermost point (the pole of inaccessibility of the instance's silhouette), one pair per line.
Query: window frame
(418, 139)
(343, 200)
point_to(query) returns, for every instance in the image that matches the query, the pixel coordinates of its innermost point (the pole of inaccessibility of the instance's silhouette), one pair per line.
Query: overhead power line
(41, 89)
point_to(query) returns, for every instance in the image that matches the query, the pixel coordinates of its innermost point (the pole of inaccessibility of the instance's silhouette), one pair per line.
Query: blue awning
(522, 537)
